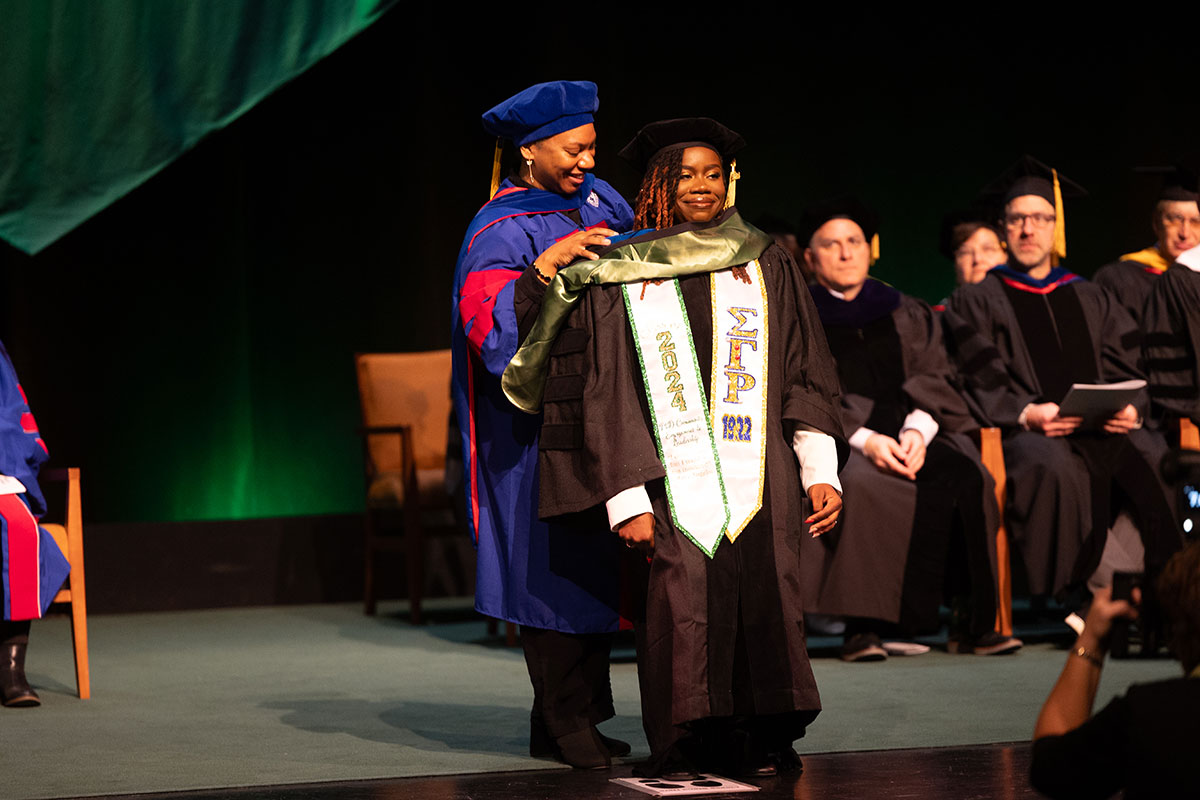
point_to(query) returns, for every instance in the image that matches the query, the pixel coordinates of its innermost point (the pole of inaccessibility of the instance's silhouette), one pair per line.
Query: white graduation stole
(705, 472)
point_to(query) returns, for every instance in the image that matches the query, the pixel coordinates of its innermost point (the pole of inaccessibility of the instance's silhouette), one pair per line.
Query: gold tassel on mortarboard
(496, 169)
(1060, 225)
(874, 249)
(731, 195)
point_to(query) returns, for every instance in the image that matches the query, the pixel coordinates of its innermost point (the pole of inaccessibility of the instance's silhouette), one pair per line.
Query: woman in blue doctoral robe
(547, 580)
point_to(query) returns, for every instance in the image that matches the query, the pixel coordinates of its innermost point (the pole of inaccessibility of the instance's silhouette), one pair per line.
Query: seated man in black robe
(915, 488)
(1172, 340)
(1176, 225)
(1044, 329)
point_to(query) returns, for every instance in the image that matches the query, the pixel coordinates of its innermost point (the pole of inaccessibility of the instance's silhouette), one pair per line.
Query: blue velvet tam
(543, 110)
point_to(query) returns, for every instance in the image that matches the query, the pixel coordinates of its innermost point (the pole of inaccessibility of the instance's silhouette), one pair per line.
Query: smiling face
(560, 161)
(1029, 229)
(978, 253)
(839, 256)
(1177, 225)
(701, 192)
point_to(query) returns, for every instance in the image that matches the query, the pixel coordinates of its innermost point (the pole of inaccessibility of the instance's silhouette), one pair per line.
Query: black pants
(14, 632)
(569, 673)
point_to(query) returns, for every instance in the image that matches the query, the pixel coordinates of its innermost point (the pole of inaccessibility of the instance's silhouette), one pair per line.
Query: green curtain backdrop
(97, 97)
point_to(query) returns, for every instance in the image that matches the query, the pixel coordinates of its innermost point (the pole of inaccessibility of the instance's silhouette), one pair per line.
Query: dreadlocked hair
(655, 204)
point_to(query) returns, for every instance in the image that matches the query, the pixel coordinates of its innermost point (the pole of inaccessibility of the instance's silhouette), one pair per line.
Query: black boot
(14, 689)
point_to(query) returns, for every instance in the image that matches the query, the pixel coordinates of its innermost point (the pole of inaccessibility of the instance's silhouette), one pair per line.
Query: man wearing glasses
(1027, 332)
(1176, 226)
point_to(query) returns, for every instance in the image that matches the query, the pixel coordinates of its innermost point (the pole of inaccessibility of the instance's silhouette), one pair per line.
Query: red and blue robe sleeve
(32, 568)
(486, 277)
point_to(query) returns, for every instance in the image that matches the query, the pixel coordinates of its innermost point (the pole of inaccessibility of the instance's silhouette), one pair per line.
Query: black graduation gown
(887, 558)
(1059, 501)
(1172, 343)
(722, 636)
(1130, 282)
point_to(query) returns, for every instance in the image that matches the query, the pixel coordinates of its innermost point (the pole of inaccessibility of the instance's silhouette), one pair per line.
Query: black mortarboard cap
(846, 207)
(677, 134)
(1026, 176)
(1179, 184)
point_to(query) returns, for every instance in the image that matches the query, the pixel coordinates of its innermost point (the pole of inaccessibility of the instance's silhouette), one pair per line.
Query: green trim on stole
(693, 250)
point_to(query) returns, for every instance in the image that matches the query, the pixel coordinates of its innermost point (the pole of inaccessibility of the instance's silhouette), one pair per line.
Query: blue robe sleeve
(487, 274)
(22, 451)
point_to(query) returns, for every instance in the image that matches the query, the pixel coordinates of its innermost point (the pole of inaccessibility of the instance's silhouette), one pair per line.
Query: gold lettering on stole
(670, 364)
(738, 336)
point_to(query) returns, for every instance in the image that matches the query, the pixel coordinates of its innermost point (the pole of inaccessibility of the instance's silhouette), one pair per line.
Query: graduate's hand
(638, 532)
(888, 455)
(572, 248)
(1044, 418)
(912, 447)
(1123, 421)
(827, 507)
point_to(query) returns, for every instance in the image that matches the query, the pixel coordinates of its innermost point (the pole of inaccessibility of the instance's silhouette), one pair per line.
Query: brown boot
(14, 689)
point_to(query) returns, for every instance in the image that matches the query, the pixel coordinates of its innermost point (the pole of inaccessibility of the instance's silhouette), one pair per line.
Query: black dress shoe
(786, 760)
(761, 769)
(616, 748)
(15, 691)
(583, 750)
(673, 765)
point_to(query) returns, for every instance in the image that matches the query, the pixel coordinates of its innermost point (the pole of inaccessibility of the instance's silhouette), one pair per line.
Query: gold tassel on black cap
(731, 195)
(1060, 225)
(496, 168)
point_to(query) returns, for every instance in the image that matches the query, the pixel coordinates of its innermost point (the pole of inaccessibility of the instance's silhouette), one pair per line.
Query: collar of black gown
(875, 300)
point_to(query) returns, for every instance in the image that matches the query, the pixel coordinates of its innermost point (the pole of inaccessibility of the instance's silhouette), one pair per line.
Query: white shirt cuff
(1022, 420)
(920, 421)
(859, 440)
(817, 454)
(627, 504)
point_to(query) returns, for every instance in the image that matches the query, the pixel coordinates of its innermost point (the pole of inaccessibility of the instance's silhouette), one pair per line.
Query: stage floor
(949, 773)
(207, 701)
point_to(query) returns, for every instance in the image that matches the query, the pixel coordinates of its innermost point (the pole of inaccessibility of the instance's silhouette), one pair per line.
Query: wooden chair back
(405, 389)
(69, 537)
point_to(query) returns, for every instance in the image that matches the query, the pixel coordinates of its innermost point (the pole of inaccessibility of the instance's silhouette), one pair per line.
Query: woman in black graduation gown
(725, 677)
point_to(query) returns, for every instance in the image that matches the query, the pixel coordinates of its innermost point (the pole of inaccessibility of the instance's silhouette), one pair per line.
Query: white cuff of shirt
(920, 421)
(817, 454)
(859, 440)
(1022, 420)
(627, 504)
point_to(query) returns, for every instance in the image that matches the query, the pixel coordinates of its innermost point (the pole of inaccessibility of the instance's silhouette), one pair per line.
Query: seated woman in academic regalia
(915, 488)
(971, 240)
(691, 399)
(32, 568)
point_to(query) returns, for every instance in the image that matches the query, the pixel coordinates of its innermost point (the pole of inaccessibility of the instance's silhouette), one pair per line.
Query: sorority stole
(714, 482)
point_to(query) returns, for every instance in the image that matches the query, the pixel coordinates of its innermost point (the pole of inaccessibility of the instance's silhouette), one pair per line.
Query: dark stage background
(191, 346)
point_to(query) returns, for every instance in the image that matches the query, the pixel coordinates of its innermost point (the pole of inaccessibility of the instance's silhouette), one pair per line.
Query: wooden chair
(992, 455)
(69, 537)
(405, 399)
(1189, 434)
